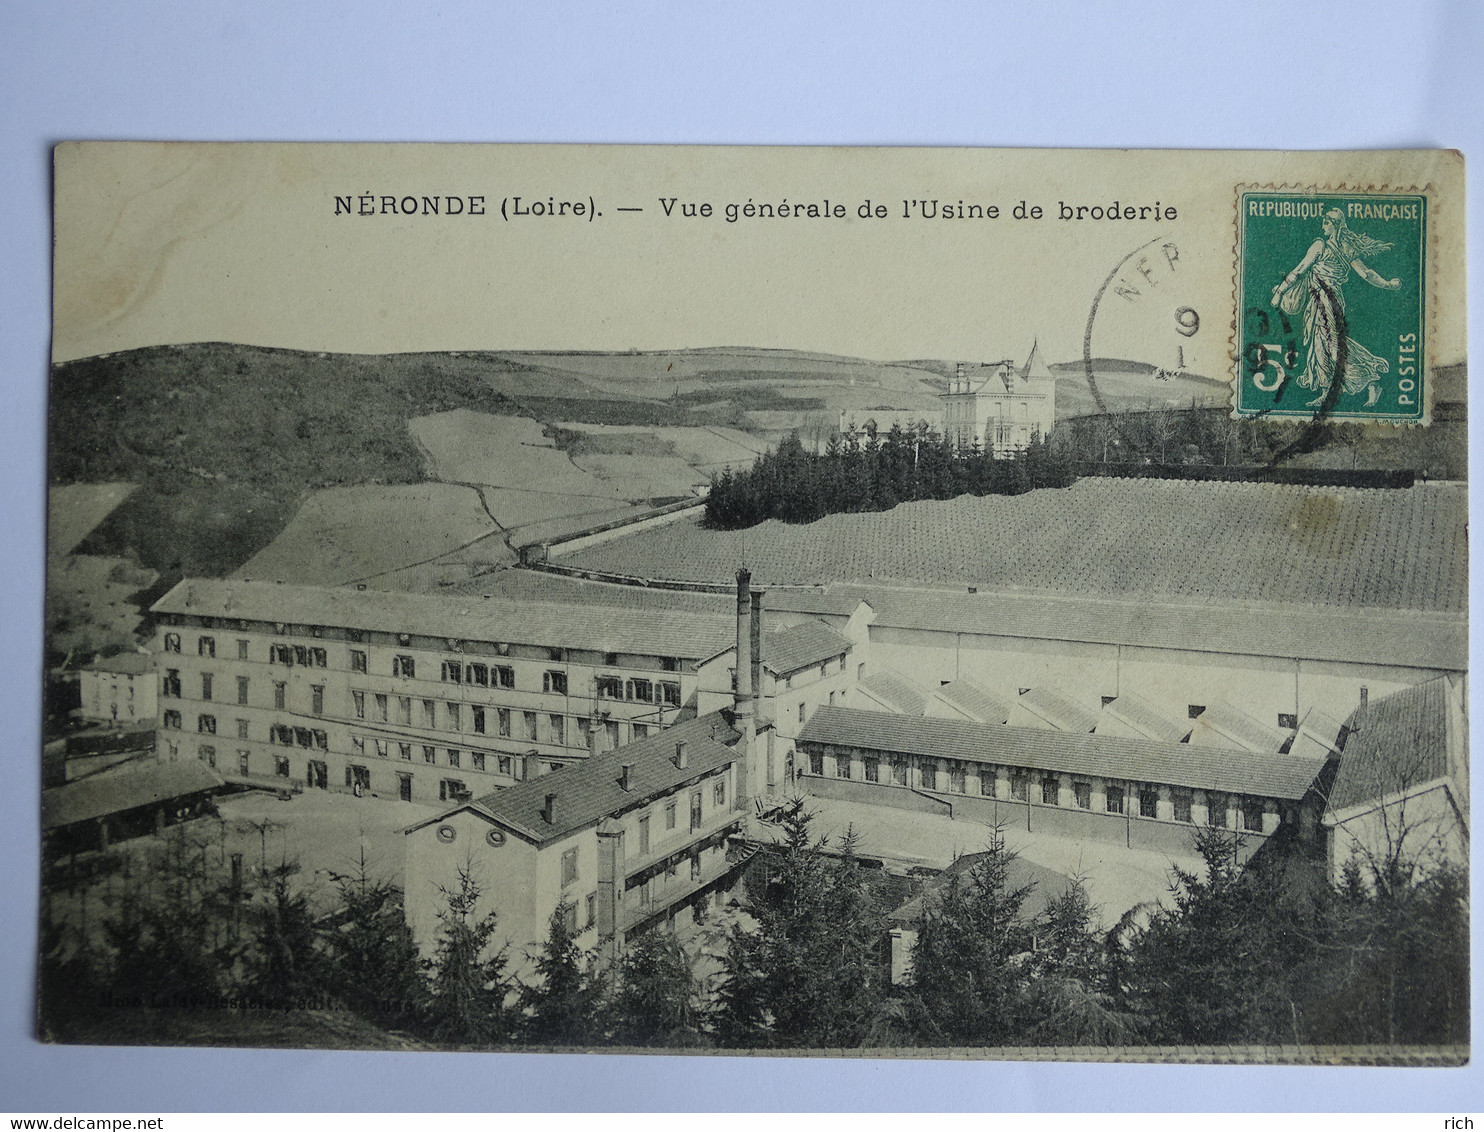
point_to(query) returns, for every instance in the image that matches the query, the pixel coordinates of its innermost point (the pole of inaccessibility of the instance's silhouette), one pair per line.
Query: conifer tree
(469, 988)
(656, 997)
(563, 1005)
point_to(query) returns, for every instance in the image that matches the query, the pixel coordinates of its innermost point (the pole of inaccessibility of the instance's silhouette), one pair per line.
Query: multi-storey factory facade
(418, 697)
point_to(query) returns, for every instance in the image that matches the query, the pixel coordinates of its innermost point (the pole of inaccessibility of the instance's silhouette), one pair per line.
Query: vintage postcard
(1003, 604)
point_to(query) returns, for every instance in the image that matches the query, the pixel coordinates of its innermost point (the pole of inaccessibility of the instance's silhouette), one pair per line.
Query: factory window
(478, 760)
(208, 755)
(243, 762)
(358, 742)
(317, 699)
(832, 699)
(1216, 810)
(381, 748)
(172, 642)
(502, 722)
(1050, 791)
(1251, 814)
(358, 660)
(242, 689)
(860, 671)
(610, 658)
(644, 835)
(241, 649)
(554, 683)
(280, 654)
(206, 684)
(281, 766)
(453, 671)
(242, 729)
(670, 663)
(1019, 788)
(358, 699)
(1115, 799)
(530, 722)
(958, 778)
(502, 676)
(1287, 721)
(301, 656)
(592, 908)
(670, 694)
(478, 675)
(986, 781)
(478, 720)
(801, 713)
(429, 719)
(404, 710)
(640, 730)
(719, 792)
(206, 724)
(504, 765)
(1182, 805)
(172, 683)
(929, 769)
(816, 762)
(670, 814)
(304, 737)
(569, 917)
(404, 666)
(641, 690)
(872, 766)
(899, 771)
(558, 730)
(321, 740)
(455, 717)
(319, 658)
(1082, 793)
(280, 695)
(453, 757)
(569, 867)
(427, 754)
(405, 750)
(1148, 803)
(610, 688)
(206, 646)
(695, 811)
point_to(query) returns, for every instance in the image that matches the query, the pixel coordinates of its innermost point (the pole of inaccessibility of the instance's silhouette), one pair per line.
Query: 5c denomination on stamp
(1331, 306)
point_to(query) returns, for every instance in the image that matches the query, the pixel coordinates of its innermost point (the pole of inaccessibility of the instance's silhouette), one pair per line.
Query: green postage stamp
(1331, 301)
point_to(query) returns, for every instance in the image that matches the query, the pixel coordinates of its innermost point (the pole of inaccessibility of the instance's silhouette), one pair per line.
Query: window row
(452, 757)
(437, 715)
(1047, 789)
(638, 690)
(170, 688)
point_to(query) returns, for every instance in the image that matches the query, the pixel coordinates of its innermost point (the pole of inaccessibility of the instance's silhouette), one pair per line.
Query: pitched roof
(1144, 717)
(603, 628)
(1378, 636)
(124, 664)
(1045, 886)
(515, 583)
(588, 791)
(969, 699)
(1188, 541)
(1397, 742)
(117, 791)
(1067, 752)
(1056, 709)
(894, 692)
(1239, 727)
(798, 646)
(1035, 368)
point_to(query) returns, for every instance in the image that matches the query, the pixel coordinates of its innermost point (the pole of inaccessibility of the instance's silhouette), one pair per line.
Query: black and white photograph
(758, 601)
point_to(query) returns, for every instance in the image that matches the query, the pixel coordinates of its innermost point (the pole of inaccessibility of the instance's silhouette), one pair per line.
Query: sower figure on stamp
(1313, 290)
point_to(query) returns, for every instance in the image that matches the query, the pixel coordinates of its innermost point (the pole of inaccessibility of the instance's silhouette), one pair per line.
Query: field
(350, 534)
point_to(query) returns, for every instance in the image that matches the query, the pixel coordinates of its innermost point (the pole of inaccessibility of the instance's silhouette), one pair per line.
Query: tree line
(1266, 953)
(873, 472)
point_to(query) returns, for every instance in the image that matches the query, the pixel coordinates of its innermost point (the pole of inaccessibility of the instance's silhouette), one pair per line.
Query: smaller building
(998, 407)
(120, 689)
(127, 801)
(623, 842)
(1140, 792)
(1398, 805)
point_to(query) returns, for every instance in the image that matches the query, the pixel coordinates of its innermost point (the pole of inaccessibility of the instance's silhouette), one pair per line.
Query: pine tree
(467, 1003)
(656, 995)
(374, 962)
(809, 975)
(971, 962)
(283, 962)
(563, 1006)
